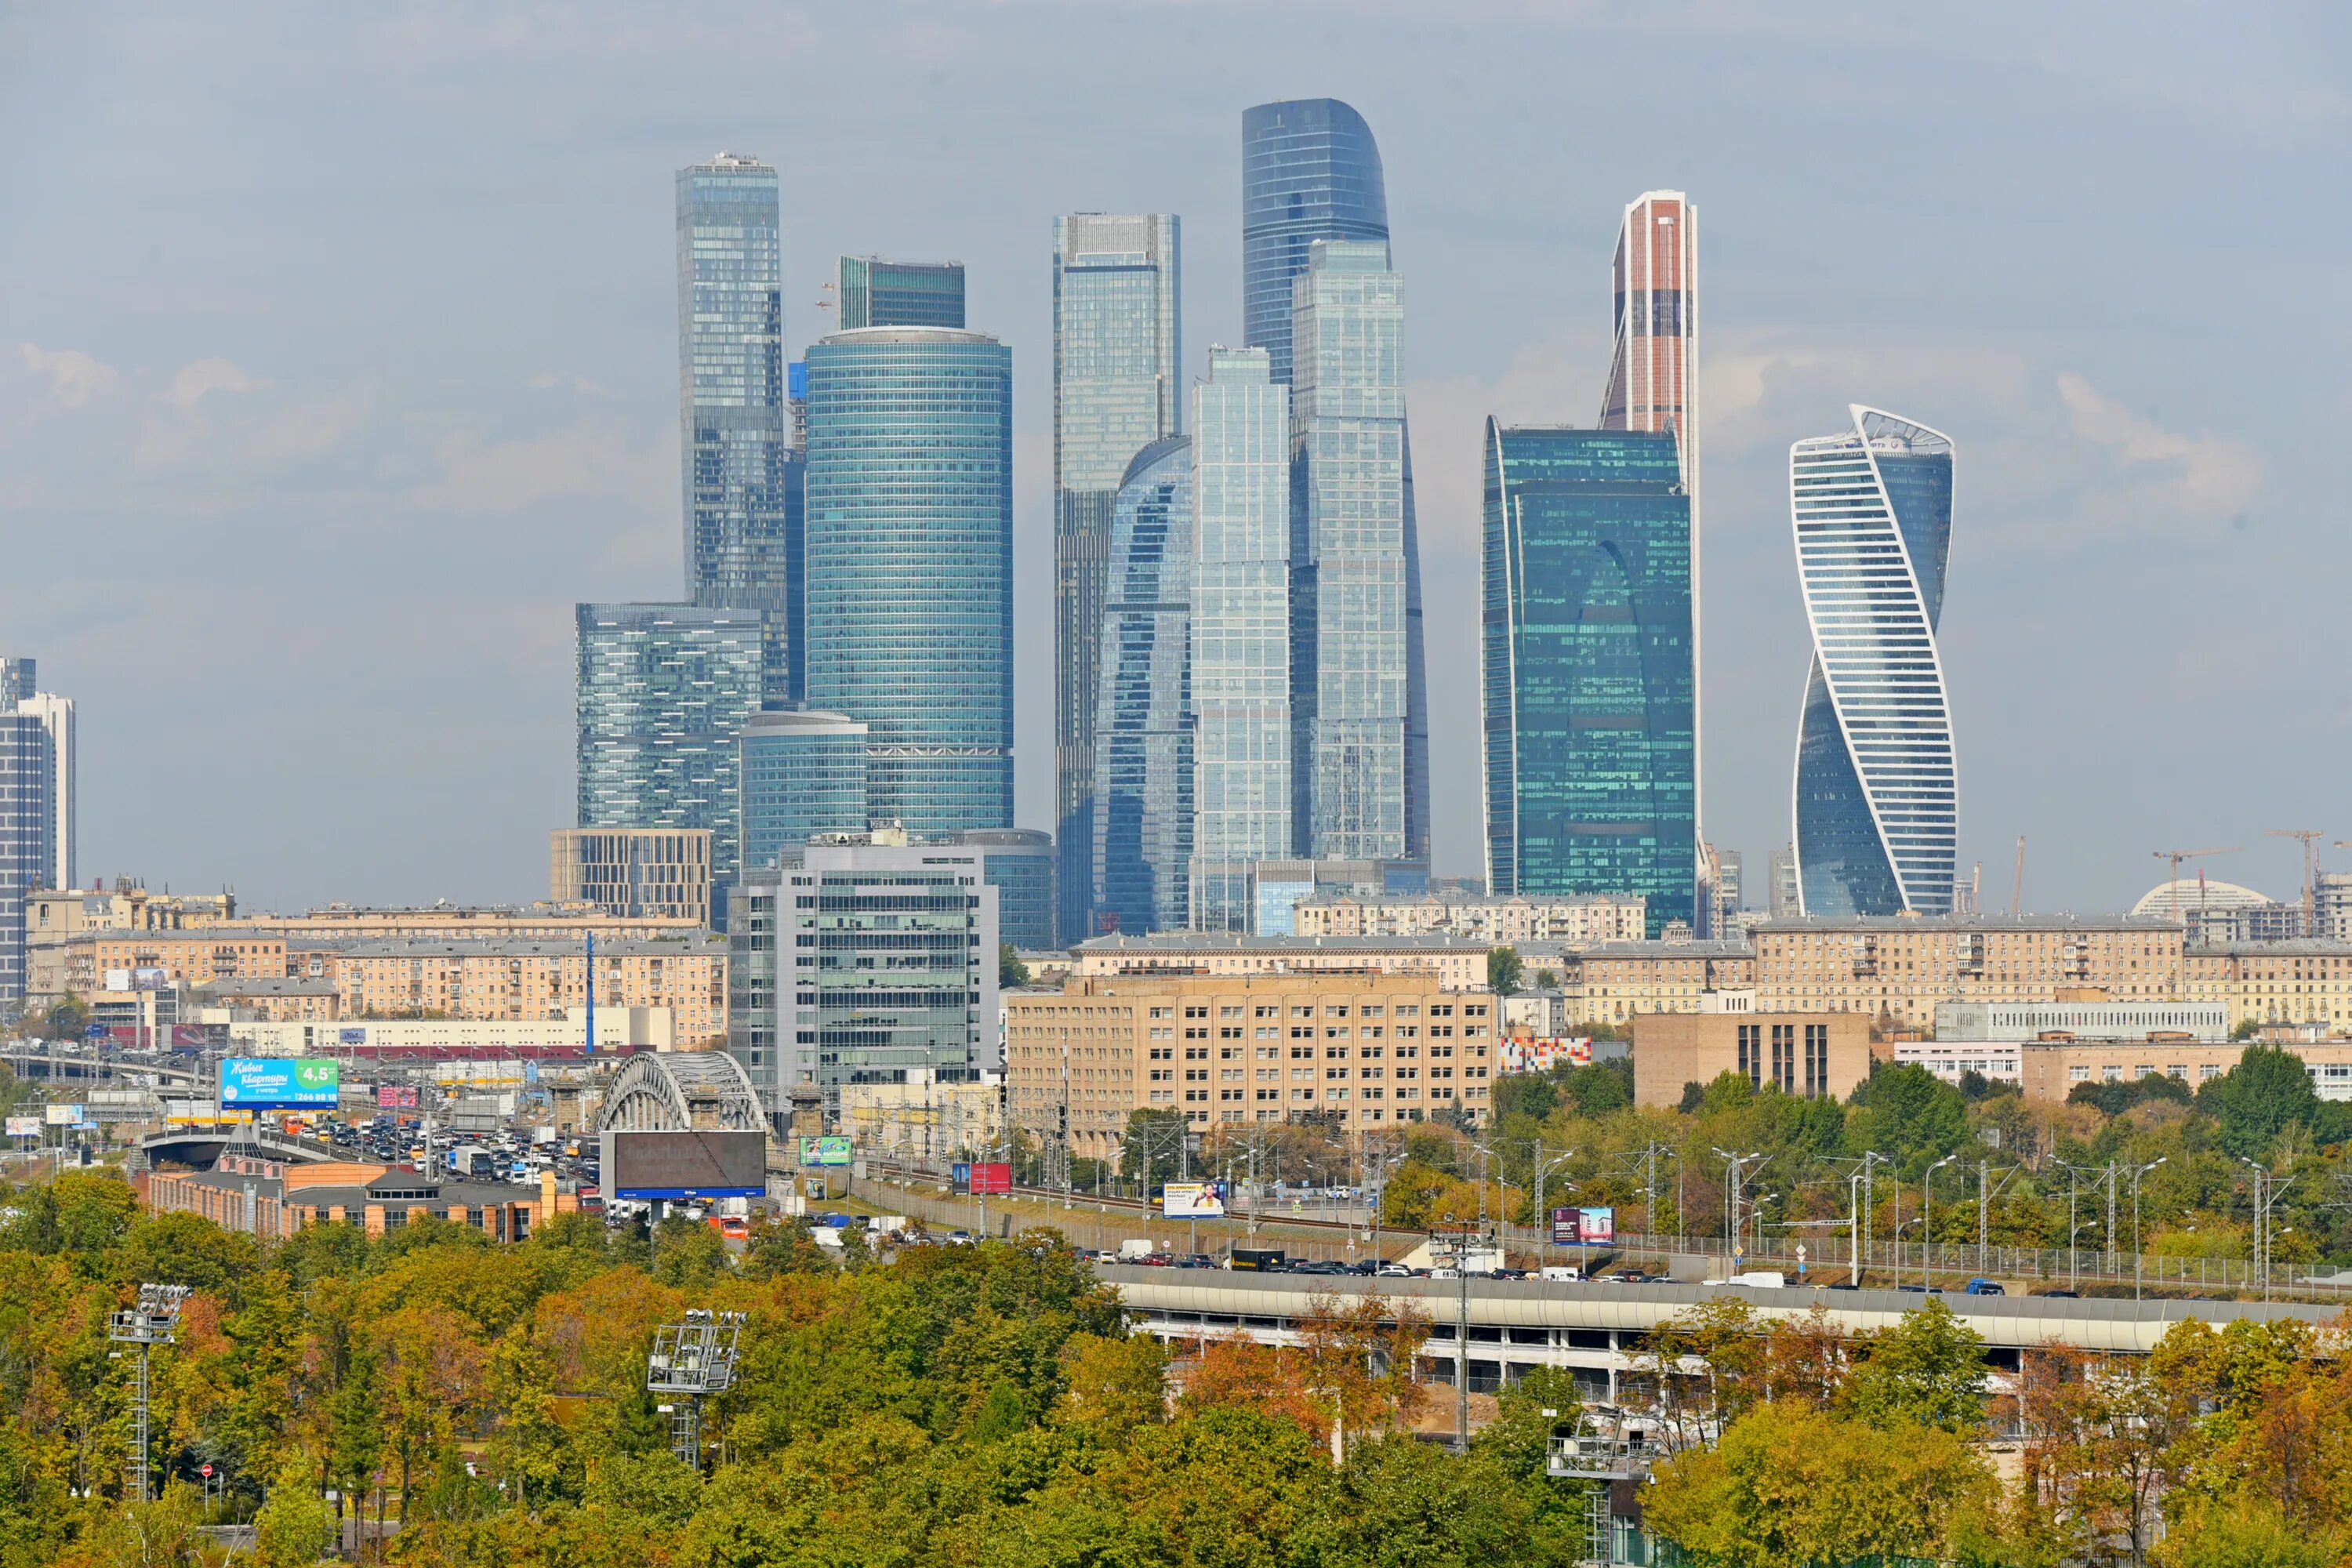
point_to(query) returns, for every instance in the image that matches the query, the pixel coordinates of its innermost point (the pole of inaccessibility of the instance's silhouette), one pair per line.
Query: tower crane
(2311, 838)
(2172, 890)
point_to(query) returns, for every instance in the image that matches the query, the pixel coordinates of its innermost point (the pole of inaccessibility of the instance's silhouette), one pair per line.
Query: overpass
(1595, 1330)
(199, 1145)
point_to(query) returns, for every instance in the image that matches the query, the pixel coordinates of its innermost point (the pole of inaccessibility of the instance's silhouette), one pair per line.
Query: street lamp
(1543, 1215)
(2139, 1265)
(1928, 1219)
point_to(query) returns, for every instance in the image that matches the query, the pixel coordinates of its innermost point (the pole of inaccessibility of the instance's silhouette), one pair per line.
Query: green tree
(1907, 1111)
(296, 1527)
(1927, 1369)
(2267, 1092)
(1504, 970)
(1010, 971)
(1152, 1151)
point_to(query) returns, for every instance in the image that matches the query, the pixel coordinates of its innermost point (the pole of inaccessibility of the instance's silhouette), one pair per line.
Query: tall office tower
(1877, 790)
(1241, 634)
(1718, 893)
(1349, 677)
(664, 692)
(803, 773)
(631, 873)
(28, 818)
(1141, 813)
(20, 693)
(1587, 669)
(1115, 353)
(1784, 903)
(1653, 371)
(879, 293)
(1018, 862)
(906, 978)
(910, 567)
(743, 479)
(1310, 170)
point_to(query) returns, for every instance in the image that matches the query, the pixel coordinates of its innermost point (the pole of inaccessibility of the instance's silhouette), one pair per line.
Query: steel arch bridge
(673, 1091)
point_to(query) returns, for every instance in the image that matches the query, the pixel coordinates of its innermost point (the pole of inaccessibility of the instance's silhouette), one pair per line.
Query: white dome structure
(2185, 899)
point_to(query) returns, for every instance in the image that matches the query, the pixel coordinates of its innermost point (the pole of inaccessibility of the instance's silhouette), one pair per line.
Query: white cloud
(73, 375)
(2212, 474)
(205, 376)
(306, 427)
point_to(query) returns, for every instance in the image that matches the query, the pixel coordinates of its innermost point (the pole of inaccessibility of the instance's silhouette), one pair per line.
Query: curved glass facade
(1589, 683)
(1310, 170)
(910, 567)
(1142, 815)
(803, 772)
(1878, 793)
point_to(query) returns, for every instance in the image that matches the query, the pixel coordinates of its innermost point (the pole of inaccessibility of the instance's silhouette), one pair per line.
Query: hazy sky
(338, 359)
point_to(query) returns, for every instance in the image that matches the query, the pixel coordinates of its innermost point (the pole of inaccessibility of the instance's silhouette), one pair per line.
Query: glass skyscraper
(1588, 678)
(910, 567)
(803, 773)
(664, 692)
(1143, 809)
(1351, 654)
(1117, 346)
(1241, 634)
(1877, 791)
(742, 475)
(1018, 862)
(20, 693)
(28, 850)
(875, 292)
(1310, 170)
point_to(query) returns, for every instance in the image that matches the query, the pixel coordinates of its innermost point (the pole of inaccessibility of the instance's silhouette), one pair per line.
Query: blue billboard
(280, 1083)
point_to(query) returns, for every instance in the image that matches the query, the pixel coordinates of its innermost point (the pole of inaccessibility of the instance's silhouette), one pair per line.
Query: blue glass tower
(1310, 170)
(1877, 790)
(910, 567)
(1587, 670)
(1143, 809)
(27, 812)
(876, 292)
(742, 474)
(803, 772)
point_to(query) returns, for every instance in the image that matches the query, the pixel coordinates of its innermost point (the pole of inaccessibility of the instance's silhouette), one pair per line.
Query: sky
(338, 361)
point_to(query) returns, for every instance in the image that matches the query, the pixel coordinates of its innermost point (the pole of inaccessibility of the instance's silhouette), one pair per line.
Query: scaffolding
(691, 1361)
(154, 1321)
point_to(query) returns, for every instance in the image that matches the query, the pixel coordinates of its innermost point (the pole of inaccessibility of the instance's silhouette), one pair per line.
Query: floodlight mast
(154, 1321)
(690, 1361)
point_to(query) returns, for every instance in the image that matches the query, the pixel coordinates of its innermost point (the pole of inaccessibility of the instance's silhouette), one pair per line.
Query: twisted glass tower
(1310, 170)
(1878, 794)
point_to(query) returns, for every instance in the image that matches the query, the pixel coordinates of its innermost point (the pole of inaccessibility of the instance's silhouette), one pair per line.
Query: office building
(910, 567)
(1878, 793)
(743, 477)
(1140, 823)
(1310, 170)
(2052, 1069)
(665, 692)
(1813, 1056)
(631, 872)
(1615, 983)
(2011, 1022)
(1240, 633)
(28, 852)
(1117, 348)
(862, 960)
(1349, 645)
(1588, 687)
(20, 693)
(1351, 1050)
(1902, 967)
(1018, 862)
(1784, 902)
(803, 773)
(2217, 911)
(875, 292)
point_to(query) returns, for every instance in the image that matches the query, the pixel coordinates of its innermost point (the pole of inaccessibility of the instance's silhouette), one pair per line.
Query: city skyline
(2084, 439)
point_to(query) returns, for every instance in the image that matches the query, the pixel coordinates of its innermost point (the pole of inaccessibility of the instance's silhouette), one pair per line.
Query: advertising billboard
(1192, 1200)
(1563, 1227)
(395, 1096)
(826, 1150)
(699, 1163)
(62, 1115)
(24, 1127)
(280, 1083)
(1584, 1228)
(974, 1178)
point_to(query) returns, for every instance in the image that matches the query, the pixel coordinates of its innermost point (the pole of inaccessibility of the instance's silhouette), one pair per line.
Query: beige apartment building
(1458, 963)
(2303, 982)
(1576, 922)
(1619, 982)
(505, 979)
(1899, 967)
(1363, 1048)
(2051, 1069)
(1814, 1055)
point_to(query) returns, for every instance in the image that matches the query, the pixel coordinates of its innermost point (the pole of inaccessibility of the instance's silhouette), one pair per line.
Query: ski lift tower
(692, 1360)
(153, 1321)
(1606, 1450)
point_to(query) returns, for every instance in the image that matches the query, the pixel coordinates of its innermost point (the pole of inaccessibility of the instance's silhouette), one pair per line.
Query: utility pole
(1984, 1210)
(2139, 1257)
(690, 1361)
(1927, 1221)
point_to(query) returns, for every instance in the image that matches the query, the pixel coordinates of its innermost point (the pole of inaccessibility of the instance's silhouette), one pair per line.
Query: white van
(1562, 1273)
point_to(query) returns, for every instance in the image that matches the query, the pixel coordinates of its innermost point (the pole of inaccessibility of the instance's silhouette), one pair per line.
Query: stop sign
(204, 1469)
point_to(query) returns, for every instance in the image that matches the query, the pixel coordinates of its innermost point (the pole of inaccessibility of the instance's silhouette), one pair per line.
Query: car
(1157, 1260)
(1986, 1287)
(1196, 1260)
(1913, 1289)
(1318, 1266)
(1510, 1274)
(1392, 1271)
(959, 1238)
(2067, 1295)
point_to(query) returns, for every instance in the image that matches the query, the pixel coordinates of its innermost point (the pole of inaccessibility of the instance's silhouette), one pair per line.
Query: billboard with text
(280, 1083)
(1192, 1200)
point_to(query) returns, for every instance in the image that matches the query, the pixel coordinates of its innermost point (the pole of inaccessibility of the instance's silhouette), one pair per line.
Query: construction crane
(2017, 884)
(2173, 857)
(2311, 838)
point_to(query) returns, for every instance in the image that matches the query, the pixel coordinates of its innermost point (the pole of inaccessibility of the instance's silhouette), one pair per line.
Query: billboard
(395, 1096)
(976, 1177)
(1192, 1200)
(24, 1127)
(826, 1150)
(1584, 1228)
(62, 1115)
(280, 1083)
(697, 1164)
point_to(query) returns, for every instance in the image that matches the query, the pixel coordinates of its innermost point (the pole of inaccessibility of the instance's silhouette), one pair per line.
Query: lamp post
(1731, 1216)
(1543, 1215)
(1928, 1219)
(2140, 1265)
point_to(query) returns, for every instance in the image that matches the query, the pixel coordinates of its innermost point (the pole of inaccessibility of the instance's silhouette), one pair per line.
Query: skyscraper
(1117, 348)
(875, 292)
(28, 816)
(20, 693)
(664, 692)
(1878, 793)
(1310, 170)
(1350, 650)
(1240, 633)
(1141, 815)
(910, 567)
(803, 773)
(743, 479)
(1587, 668)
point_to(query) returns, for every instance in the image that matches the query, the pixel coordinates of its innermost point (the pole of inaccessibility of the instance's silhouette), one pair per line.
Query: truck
(471, 1162)
(1260, 1259)
(1134, 1249)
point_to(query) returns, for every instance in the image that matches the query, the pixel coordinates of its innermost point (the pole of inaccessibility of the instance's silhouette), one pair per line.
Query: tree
(1010, 971)
(1153, 1151)
(1927, 1369)
(1504, 970)
(295, 1527)
(2268, 1092)
(1907, 1111)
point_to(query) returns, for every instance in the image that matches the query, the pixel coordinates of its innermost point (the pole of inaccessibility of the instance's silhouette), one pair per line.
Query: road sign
(205, 1470)
(95, 1032)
